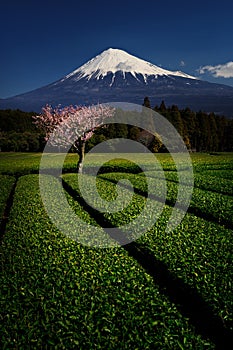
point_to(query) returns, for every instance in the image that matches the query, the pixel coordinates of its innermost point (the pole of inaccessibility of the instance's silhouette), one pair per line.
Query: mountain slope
(115, 60)
(115, 75)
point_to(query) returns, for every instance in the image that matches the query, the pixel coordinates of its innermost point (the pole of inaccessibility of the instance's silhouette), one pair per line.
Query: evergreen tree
(146, 102)
(203, 131)
(214, 140)
(134, 132)
(176, 120)
(190, 126)
(162, 107)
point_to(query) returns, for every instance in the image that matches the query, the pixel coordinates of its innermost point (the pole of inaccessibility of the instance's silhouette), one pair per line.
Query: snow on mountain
(115, 75)
(115, 60)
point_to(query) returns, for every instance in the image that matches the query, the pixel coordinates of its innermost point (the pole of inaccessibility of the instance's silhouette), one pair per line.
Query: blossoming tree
(72, 125)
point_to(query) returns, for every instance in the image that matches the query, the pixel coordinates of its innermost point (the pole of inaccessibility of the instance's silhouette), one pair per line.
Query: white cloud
(182, 63)
(219, 71)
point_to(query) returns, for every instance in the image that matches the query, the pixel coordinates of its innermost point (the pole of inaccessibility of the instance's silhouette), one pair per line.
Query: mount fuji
(116, 76)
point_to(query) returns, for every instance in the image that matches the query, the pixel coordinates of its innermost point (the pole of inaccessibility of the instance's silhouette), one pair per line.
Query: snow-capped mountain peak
(115, 75)
(116, 60)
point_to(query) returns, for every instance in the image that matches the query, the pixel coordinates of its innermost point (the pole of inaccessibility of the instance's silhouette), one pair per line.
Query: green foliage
(209, 181)
(58, 294)
(18, 133)
(16, 120)
(211, 204)
(201, 131)
(220, 176)
(20, 142)
(198, 251)
(27, 163)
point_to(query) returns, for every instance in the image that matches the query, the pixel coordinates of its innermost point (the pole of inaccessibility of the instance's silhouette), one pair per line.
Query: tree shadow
(6, 213)
(186, 298)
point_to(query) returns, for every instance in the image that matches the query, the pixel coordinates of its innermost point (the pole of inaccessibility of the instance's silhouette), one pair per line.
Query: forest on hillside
(201, 132)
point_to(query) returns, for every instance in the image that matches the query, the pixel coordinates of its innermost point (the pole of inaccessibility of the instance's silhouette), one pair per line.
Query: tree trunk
(81, 153)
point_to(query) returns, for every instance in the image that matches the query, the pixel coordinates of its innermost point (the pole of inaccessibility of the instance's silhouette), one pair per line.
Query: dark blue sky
(41, 41)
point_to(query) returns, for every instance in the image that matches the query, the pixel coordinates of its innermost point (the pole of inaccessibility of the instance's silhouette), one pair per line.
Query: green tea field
(164, 290)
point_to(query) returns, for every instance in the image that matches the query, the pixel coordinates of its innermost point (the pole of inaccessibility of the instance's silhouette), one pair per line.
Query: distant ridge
(115, 75)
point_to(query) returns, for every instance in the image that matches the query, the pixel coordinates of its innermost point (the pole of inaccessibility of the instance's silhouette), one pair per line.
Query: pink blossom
(72, 122)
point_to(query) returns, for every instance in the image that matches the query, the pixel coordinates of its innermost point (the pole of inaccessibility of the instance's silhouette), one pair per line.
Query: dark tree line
(201, 132)
(18, 133)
